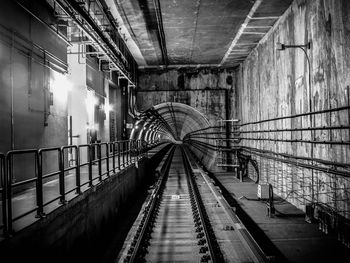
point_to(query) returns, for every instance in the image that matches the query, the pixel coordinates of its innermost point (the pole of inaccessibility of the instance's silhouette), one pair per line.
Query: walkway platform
(25, 200)
(297, 240)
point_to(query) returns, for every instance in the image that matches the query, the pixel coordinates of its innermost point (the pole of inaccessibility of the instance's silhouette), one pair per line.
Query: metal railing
(109, 157)
(3, 191)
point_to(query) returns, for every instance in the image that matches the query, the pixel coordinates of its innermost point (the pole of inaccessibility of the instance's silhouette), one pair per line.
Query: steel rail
(255, 249)
(207, 239)
(250, 243)
(215, 255)
(134, 251)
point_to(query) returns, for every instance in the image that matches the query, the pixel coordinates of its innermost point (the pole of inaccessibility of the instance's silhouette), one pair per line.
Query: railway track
(174, 226)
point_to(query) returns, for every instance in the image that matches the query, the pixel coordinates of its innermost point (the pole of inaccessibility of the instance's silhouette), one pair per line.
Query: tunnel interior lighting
(108, 107)
(60, 86)
(91, 100)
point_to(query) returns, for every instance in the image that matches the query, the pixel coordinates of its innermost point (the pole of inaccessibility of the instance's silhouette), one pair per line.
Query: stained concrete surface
(195, 32)
(273, 83)
(296, 239)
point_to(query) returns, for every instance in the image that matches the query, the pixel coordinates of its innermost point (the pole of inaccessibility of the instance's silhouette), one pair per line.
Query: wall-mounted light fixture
(280, 46)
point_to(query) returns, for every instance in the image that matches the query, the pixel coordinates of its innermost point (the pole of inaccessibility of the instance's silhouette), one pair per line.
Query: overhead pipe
(115, 56)
(132, 109)
(62, 37)
(161, 34)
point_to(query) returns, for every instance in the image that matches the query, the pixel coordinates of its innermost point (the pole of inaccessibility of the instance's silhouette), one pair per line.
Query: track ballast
(174, 226)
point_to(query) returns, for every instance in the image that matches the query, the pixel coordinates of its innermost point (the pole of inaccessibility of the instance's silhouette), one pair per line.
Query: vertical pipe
(12, 95)
(46, 89)
(227, 131)
(70, 139)
(311, 125)
(70, 131)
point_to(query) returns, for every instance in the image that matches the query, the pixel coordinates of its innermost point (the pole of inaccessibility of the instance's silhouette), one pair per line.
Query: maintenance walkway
(287, 230)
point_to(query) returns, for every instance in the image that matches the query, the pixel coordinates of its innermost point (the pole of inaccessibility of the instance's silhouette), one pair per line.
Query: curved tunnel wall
(172, 121)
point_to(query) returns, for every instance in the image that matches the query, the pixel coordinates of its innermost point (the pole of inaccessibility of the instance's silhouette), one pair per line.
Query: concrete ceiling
(197, 32)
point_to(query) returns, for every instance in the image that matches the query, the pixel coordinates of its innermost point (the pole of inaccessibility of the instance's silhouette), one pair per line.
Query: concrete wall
(25, 81)
(210, 91)
(203, 89)
(274, 83)
(35, 101)
(75, 230)
(89, 98)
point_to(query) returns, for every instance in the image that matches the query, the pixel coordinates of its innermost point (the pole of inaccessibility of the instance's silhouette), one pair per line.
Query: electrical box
(263, 191)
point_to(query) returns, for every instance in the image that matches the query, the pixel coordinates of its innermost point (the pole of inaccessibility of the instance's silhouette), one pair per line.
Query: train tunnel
(174, 131)
(175, 122)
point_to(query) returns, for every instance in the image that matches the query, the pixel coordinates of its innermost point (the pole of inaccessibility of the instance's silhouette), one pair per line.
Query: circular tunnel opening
(177, 123)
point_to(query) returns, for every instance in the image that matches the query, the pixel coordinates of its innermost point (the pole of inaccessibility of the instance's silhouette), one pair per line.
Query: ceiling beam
(161, 35)
(241, 30)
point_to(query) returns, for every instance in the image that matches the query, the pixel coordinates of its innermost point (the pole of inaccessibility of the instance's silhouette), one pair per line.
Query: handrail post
(90, 163)
(3, 174)
(123, 144)
(136, 150)
(9, 193)
(99, 161)
(39, 185)
(61, 178)
(118, 145)
(128, 152)
(139, 150)
(107, 158)
(113, 151)
(77, 169)
(132, 148)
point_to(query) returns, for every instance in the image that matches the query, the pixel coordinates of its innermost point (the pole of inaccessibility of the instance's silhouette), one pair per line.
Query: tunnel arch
(175, 122)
